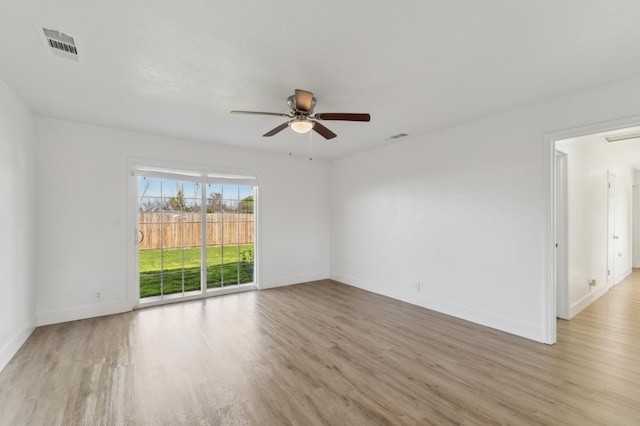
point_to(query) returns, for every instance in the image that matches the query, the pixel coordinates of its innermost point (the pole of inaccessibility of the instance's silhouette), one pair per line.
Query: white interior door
(562, 237)
(612, 238)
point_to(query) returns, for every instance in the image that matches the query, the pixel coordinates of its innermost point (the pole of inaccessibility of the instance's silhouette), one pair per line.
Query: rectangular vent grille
(70, 48)
(60, 44)
(398, 136)
(619, 138)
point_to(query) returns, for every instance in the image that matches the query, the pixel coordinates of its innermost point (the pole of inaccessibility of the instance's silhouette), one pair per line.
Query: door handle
(615, 237)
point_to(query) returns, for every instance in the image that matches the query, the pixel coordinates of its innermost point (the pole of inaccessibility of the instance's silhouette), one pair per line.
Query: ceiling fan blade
(324, 132)
(277, 129)
(344, 116)
(277, 114)
(304, 100)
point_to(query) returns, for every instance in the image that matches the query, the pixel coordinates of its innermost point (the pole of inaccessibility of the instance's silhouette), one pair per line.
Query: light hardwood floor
(324, 353)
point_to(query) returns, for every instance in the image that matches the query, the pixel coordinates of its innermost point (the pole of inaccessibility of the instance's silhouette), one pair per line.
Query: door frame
(549, 176)
(562, 234)
(611, 229)
(133, 164)
(635, 228)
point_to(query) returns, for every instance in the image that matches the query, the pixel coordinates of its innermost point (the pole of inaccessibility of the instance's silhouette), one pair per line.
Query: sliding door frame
(224, 176)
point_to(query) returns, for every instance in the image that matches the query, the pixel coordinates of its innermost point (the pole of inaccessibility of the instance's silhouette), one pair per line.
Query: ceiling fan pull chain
(310, 136)
(290, 145)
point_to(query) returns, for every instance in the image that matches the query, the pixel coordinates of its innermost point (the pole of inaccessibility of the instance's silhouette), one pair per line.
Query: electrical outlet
(592, 283)
(417, 286)
(97, 295)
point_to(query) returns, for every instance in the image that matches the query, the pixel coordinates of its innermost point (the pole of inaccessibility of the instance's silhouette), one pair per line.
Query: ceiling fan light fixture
(301, 107)
(301, 125)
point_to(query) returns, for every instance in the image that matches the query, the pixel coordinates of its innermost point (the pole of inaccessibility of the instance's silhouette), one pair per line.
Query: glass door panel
(230, 235)
(170, 226)
(193, 237)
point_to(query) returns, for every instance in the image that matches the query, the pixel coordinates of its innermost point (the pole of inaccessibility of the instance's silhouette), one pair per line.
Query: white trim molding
(522, 329)
(549, 141)
(15, 343)
(82, 312)
(292, 280)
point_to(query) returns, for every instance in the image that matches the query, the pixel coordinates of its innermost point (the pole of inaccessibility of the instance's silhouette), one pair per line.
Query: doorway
(196, 235)
(600, 255)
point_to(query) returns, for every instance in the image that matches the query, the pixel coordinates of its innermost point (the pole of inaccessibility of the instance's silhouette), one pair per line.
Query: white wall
(587, 165)
(83, 209)
(589, 162)
(463, 211)
(17, 222)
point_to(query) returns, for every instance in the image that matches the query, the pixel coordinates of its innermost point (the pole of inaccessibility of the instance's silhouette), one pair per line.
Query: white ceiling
(178, 68)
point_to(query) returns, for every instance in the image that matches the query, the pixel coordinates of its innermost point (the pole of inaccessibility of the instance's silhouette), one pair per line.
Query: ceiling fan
(301, 111)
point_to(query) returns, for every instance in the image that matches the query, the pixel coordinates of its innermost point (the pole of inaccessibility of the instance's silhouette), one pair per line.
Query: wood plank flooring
(324, 353)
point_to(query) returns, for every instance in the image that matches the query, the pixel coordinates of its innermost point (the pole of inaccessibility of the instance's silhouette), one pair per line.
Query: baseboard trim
(592, 296)
(518, 328)
(291, 280)
(82, 312)
(110, 308)
(586, 300)
(624, 275)
(15, 343)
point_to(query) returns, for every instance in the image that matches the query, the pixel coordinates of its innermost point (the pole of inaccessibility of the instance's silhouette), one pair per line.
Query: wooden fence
(185, 230)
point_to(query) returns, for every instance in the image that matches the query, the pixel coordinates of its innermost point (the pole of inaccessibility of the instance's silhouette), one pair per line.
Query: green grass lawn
(161, 272)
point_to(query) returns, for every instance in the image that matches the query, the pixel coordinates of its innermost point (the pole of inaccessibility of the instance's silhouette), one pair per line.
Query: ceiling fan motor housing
(293, 108)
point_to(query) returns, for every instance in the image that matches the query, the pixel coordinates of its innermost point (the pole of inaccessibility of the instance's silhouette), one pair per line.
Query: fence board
(185, 230)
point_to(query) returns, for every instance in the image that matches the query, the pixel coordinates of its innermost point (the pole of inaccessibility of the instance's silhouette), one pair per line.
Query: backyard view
(224, 264)
(173, 243)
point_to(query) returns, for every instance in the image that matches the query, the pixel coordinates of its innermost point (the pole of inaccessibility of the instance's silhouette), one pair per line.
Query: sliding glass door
(194, 236)
(230, 235)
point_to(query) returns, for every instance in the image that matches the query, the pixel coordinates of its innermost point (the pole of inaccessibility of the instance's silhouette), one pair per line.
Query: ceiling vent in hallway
(618, 138)
(398, 136)
(59, 44)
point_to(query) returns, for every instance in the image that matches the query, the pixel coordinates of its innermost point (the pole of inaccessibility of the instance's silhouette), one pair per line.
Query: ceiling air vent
(618, 138)
(398, 136)
(60, 44)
